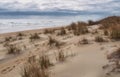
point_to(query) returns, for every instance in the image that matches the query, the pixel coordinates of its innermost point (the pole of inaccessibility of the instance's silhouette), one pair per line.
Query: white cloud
(76, 5)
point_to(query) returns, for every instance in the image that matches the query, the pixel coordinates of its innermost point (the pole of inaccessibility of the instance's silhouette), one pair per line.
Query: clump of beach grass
(34, 36)
(60, 56)
(62, 31)
(33, 70)
(44, 62)
(54, 43)
(12, 49)
(78, 28)
(84, 41)
(99, 39)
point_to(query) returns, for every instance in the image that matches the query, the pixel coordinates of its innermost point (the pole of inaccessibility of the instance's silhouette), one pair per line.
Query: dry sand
(87, 62)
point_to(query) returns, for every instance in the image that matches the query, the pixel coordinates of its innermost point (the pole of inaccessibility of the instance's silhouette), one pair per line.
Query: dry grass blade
(44, 62)
(60, 56)
(33, 70)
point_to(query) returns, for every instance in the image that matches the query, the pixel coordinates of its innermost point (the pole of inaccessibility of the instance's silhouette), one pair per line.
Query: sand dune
(83, 60)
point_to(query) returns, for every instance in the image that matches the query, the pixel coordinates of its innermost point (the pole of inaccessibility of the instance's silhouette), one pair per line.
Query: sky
(111, 7)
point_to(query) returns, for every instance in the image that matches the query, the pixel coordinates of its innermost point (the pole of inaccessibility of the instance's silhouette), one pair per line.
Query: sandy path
(88, 63)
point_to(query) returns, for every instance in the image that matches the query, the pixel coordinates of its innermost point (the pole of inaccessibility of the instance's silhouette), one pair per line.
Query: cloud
(90, 6)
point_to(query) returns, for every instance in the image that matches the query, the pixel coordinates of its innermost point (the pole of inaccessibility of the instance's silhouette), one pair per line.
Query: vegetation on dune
(60, 56)
(99, 39)
(39, 67)
(54, 42)
(20, 34)
(78, 28)
(110, 21)
(115, 32)
(62, 31)
(84, 41)
(113, 65)
(44, 62)
(111, 26)
(12, 49)
(91, 22)
(36, 67)
(49, 31)
(115, 35)
(8, 39)
(106, 32)
(34, 36)
(114, 55)
(33, 70)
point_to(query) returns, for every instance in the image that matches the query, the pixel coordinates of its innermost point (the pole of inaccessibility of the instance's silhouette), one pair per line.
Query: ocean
(21, 23)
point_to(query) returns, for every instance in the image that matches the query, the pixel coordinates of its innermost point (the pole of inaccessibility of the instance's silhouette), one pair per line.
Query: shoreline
(29, 31)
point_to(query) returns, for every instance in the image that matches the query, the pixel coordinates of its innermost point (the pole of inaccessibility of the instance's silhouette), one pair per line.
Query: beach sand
(82, 61)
